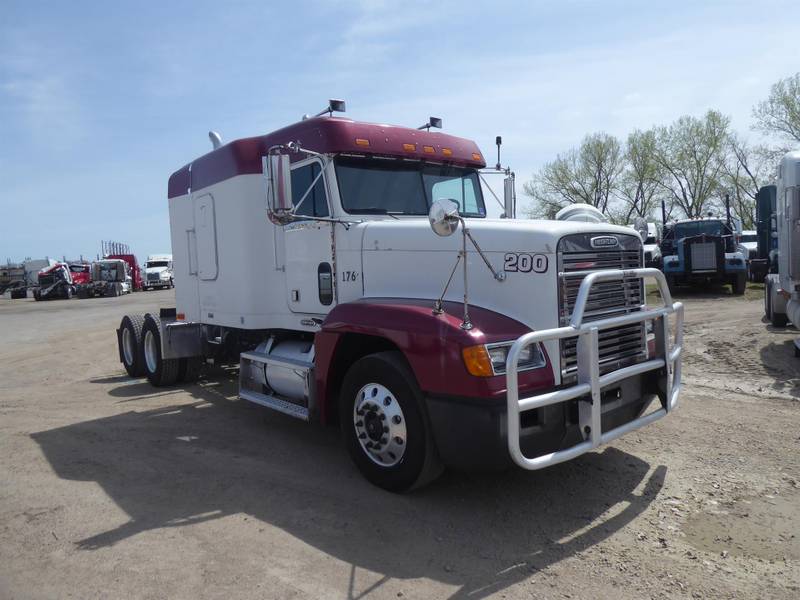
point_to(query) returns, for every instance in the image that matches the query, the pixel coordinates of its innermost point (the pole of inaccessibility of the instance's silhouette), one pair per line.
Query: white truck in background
(158, 272)
(782, 289)
(351, 271)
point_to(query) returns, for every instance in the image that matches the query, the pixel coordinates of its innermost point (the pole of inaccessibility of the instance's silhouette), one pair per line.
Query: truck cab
(54, 282)
(353, 272)
(702, 251)
(158, 272)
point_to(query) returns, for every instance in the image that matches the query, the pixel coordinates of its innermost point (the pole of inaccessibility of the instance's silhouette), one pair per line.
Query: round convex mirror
(443, 216)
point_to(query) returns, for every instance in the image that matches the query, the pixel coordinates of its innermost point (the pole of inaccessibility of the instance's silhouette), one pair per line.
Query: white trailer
(307, 256)
(782, 289)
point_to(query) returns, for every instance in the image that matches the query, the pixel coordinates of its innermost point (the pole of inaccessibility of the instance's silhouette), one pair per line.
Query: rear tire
(189, 369)
(37, 295)
(397, 407)
(130, 344)
(159, 371)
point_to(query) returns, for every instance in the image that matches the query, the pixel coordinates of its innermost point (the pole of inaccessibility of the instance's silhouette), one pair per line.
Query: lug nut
(362, 435)
(385, 430)
(383, 417)
(398, 440)
(387, 401)
(383, 440)
(396, 419)
(368, 445)
(359, 423)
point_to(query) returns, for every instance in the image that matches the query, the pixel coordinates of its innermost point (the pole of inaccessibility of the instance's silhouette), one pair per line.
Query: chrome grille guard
(667, 356)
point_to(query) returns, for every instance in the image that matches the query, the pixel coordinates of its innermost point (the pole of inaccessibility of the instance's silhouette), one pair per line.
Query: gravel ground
(112, 489)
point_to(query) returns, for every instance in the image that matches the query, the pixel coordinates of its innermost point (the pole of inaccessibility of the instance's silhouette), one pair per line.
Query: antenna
(432, 122)
(216, 139)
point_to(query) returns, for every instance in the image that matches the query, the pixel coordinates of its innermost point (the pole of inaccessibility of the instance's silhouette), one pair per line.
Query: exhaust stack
(216, 139)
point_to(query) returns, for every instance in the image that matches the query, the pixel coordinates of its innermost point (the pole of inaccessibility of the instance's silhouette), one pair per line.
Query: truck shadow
(217, 456)
(780, 361)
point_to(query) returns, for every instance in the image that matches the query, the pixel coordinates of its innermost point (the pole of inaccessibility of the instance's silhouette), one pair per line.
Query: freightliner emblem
(604, 241)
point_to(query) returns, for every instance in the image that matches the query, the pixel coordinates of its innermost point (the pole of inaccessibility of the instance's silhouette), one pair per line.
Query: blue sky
(100, 102)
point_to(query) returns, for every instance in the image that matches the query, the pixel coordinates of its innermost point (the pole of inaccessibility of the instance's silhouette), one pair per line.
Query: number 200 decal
(525, 263)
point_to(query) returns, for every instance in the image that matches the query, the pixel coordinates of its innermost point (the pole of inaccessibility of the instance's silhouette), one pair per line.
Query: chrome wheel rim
(150, 352)
(380, 425)
(127, 346)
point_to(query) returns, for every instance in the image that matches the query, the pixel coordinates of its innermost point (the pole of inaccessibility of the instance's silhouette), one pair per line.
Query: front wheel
(383, 424)
(739, 284)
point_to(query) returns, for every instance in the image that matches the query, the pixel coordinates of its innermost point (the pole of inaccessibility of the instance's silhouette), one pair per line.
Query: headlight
(164, 275)
(485, 361)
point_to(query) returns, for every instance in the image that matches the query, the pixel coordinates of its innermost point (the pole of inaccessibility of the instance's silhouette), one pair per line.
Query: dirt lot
(112, 489)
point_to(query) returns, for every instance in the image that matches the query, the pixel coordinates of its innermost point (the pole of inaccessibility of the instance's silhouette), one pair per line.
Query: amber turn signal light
(410, 147)
(362, 142)
(477, 361)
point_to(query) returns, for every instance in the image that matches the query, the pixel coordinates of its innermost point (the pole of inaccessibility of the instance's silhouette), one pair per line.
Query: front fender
(431, 343)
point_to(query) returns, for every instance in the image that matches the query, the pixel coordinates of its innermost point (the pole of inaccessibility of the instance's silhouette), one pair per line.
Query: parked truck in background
(652, 250)
(54, 282)
(109, 277)
(766, 257)
(702, 251)
(158, 272)
(134, 270)
(782, 289)
(351, 271)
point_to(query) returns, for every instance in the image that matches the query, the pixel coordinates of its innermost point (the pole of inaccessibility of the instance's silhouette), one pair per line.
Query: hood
(749, 245)
(156, 269)
(492, 235)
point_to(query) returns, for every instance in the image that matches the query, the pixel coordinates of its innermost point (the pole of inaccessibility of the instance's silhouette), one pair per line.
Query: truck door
(308, 244)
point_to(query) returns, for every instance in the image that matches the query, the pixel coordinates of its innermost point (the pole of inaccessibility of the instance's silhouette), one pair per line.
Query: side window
(315, 203)
(461, 190)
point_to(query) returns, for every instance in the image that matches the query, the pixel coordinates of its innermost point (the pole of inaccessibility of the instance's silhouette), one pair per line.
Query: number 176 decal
(525, 263)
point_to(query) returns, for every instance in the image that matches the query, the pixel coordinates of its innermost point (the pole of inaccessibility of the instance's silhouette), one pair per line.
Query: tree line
(690, 164)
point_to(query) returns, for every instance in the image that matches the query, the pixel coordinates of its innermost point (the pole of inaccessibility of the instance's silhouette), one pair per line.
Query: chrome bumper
(667, 357)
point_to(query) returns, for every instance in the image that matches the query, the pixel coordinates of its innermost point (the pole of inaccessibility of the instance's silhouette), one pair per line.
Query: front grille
(153, 277)
(47, 280)
(704, 256)
(618, 346)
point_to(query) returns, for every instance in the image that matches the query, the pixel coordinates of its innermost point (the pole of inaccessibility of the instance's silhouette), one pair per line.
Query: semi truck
(54, 282)
(109, 277)
(765, 259)
(782, 289)
(158, 272)
(702, 251)
(134, 270)
(352, 272)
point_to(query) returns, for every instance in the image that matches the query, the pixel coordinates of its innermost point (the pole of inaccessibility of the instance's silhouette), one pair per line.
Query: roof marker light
(410, 147)
(428, 150)
(362, 142)
(447, 152)
(476, 156)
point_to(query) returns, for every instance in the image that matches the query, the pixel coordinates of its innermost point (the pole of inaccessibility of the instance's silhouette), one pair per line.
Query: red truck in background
(136, 272)
(81, 273)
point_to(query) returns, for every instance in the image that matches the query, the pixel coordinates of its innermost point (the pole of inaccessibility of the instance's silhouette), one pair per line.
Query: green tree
(641, 183)
(780, 112)
(747, 168)
(692, 154)
(587, 174)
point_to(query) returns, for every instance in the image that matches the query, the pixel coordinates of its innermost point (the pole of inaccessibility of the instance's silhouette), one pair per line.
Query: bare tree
(588, 174)
(747, 168)
(692, 153)
(780, 112)
(641, 183)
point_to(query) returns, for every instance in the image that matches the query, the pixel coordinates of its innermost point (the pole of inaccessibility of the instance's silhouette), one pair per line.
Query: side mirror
(279, 187)
(443, 217)
(640, 225)
(509, 197)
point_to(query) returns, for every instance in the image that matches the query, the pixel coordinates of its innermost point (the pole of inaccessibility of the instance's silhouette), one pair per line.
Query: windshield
(749, 237)
(157, 263)
(405, 187)
(693, 228)
(651, 239)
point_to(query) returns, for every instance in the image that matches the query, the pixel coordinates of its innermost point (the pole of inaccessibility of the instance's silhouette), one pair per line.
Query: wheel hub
(380, 425)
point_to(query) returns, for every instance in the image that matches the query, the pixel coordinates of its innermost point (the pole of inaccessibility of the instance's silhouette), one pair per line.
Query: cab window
(315, 203)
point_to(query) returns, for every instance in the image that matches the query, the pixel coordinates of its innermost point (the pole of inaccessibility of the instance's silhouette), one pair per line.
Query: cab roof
(325, 135)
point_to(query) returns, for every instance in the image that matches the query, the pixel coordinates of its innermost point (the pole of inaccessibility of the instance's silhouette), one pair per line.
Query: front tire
(383, 424)
(159, 371)
(739, 284)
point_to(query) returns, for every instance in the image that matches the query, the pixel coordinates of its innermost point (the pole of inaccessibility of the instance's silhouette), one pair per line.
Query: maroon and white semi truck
(352, 272)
